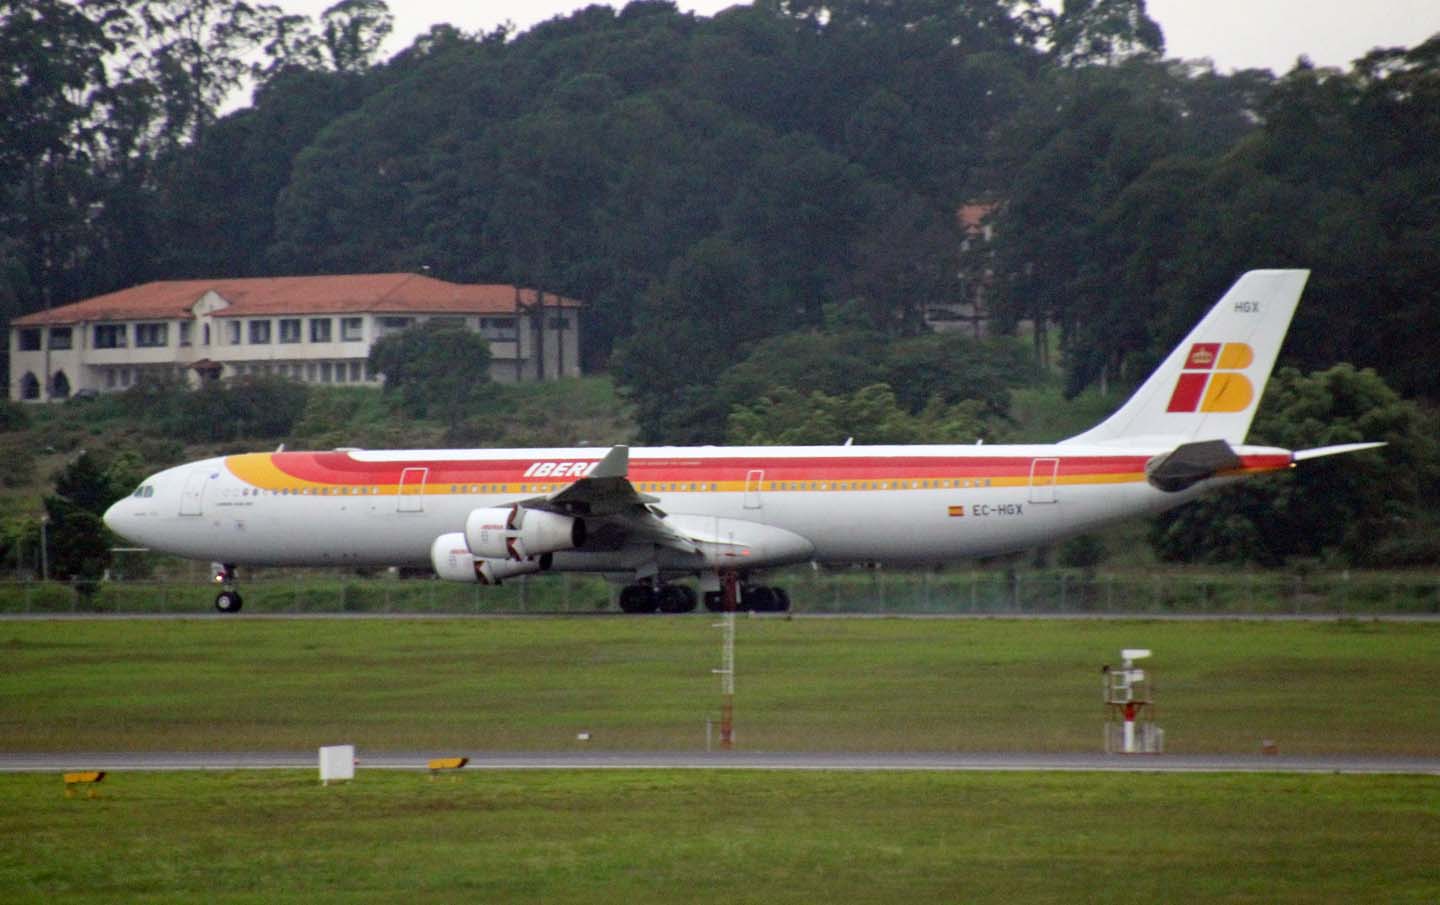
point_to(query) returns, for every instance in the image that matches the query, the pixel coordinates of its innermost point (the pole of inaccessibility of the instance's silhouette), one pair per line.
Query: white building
(313, 329)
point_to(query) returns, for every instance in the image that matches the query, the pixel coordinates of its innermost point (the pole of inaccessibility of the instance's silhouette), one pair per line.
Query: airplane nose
(112, 516)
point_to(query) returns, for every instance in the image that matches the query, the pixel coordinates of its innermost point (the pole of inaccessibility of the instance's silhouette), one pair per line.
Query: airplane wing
(605, 491)
(608, 499)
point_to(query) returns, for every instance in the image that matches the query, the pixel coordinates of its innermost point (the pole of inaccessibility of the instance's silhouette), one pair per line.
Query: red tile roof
(376, 293)
(972, 214)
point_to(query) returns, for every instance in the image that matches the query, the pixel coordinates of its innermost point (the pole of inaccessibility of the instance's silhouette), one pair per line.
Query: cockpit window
(144, 491)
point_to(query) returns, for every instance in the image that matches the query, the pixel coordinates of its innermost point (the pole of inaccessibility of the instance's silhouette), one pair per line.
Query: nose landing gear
(229, 599)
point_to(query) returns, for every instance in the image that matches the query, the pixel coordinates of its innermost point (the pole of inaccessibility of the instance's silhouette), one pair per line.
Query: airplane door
(1042, 480)
(411, 492)
(753, 478)
(192, 495)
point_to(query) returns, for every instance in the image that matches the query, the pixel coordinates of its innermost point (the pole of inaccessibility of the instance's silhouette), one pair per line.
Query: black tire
(638, 598)
(761, 599)
(715, 601)
(228, 602)
(676, 598)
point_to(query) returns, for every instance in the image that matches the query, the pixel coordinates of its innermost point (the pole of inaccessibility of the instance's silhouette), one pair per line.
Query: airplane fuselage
(911, 504)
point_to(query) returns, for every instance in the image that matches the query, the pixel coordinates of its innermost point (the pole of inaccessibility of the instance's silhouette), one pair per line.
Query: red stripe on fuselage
(342, 469)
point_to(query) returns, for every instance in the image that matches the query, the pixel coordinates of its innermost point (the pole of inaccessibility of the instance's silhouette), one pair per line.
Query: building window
(324, 372)
(30, 340)
(357, 371)
(29, 386)
(233, 329)
(61, 338)
(185, 332)
(290, 330)
(109, 378)
(59, 386)
(387, 325)
(319, 329)
(447, 322)
(152, 335)
(352, 329)
(111, 336)
(497, 327)
(259, 333)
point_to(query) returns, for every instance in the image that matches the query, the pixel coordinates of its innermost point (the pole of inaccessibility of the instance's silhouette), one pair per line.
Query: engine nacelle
(515, 533)
(454, 562)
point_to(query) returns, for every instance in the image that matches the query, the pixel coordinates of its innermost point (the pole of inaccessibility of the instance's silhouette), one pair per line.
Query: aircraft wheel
(228, 601)
(761, 599)
(638, 598)
(676, 598)
(715, 601)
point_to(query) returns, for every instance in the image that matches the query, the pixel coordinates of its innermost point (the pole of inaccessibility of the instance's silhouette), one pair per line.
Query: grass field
(646, 684)
(640, 837)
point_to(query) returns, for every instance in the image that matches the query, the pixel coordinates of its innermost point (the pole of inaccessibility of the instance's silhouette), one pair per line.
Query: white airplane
(650, 516)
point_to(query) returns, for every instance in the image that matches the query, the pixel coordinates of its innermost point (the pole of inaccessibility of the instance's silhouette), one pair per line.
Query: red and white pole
(730, 592)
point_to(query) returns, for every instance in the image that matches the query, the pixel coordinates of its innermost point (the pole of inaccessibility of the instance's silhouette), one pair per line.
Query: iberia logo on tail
(1212, 380)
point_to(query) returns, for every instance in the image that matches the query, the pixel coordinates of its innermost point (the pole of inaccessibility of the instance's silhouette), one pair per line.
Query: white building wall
(227, 341)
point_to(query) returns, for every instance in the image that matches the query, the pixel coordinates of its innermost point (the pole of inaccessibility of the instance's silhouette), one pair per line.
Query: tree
(194, 52)
(353, 32)
(705, 314)
(871, 414)
(249, 407)
(52, 81)
(1105, 31)
(952, 367)
(436, 370)
(837, 363)
(79, 542)
(905, 263)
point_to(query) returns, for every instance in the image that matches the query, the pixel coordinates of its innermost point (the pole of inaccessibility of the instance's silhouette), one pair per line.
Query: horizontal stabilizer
(1300, 455)
(1189, 464)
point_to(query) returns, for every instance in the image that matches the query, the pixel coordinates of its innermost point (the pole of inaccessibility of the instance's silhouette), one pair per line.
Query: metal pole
(729, 591)
(44, 548)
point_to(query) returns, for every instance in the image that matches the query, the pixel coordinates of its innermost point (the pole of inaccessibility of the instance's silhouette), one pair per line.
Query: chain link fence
(879, 592)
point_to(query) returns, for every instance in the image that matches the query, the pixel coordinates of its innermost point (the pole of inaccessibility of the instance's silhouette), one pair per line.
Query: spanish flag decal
(957, 511)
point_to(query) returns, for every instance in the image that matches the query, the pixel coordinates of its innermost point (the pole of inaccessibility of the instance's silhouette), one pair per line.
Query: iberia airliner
(650, 516)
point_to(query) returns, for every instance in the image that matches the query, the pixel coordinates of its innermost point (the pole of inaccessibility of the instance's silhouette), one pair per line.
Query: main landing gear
(229, 599)
(753, 598)
(665, 598)
(678, 598)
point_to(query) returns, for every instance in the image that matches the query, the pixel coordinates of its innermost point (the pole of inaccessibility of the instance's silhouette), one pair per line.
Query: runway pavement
(732, 760)
(208, 616)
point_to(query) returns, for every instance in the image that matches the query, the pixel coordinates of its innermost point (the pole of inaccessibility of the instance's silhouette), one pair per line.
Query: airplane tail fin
(1210, 385)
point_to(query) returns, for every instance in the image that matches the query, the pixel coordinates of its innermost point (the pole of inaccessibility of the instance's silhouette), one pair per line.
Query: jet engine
(454, 562)
(516, 533)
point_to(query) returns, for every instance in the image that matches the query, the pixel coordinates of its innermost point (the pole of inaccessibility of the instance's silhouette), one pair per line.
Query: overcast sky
(1236, 34)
